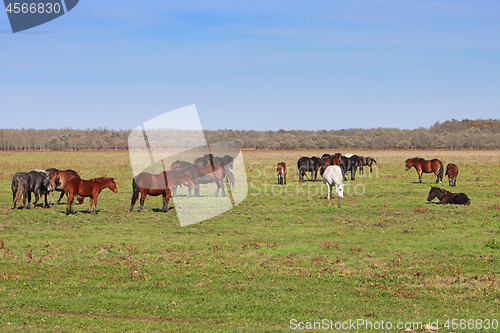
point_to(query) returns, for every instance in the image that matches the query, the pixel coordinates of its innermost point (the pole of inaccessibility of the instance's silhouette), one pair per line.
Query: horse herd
(206, 169)
(334, 167)
(211, 169)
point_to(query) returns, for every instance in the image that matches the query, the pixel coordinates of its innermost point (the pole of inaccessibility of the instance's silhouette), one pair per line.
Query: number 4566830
(33, 8)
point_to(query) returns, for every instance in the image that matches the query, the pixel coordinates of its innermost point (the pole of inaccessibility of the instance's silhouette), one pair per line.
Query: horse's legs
(69, 205)
(90, 203)
(223, 186)
(174, 191)
(419, 176)
(143, 197)
(52, 192)
(166, 197)
(370, 168)
(37, 196)
(329, 191)
(60, 197)
(27, 205)
(95, 202)
(135, 195)
(284, 178)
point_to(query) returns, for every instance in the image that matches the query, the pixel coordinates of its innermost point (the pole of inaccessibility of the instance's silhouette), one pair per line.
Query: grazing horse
(333, 177)
(428, 166)
(446, 197)
(87, 188)
(308, 164)
(365, 161)
(160, 184)
(281, 170)
(36, 182)
(59, 180)
(451, 172)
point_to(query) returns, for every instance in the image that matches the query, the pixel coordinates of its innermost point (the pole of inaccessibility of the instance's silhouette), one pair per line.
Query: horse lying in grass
(333, 177)
(87, 188)
(446, 197)
(36, 182)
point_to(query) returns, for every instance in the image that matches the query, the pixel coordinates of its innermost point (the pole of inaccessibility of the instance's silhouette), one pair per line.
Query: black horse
(308, 164)
(36, 182)
(349, 164)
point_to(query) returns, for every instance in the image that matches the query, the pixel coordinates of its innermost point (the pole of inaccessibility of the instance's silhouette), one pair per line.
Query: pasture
(380, 253)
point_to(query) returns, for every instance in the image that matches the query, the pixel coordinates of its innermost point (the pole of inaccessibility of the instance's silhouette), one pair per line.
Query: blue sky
(254, 65)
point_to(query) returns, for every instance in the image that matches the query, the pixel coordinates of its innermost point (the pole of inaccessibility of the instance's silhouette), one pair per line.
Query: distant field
(284, 254)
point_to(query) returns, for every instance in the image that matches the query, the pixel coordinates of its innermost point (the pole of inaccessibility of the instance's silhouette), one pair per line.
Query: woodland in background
(453, 134)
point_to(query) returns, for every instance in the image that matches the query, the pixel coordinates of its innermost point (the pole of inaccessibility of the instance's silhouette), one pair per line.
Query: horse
(352, 165)
(59, 180)
(281, 170)
(333, 177)
(87, 188)
(214, 173)
(226, 162)
(154, 185)
(36, 182)
(452, 172)
(345, 165)
(308, 164)
(428, 166)
(365, 161)
(446, 197)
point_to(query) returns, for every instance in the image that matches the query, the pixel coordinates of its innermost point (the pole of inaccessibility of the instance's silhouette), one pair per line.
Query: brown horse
(160, 184)
(59, 179)
(446, 197)
(214, 173)
(87, 188)
(428, 166)
(281, 170)
(451, 172)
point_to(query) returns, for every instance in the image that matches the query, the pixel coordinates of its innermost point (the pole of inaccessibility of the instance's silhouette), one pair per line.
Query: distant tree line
(453, 134)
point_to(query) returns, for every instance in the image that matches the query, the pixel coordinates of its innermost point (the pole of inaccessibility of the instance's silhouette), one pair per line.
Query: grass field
(283, 254)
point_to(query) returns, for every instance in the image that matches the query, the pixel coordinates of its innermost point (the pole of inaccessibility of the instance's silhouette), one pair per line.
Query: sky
(254, 65)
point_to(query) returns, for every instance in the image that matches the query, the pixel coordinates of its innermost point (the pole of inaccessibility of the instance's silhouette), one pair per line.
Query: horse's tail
(440, 172)
(20, 189)
(135, 189)
(374, 161)
(230, 178)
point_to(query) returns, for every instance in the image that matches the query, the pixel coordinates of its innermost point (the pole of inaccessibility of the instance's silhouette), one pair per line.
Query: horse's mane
(40, 170)
(442, 190)
(100, 179)
(417, 159)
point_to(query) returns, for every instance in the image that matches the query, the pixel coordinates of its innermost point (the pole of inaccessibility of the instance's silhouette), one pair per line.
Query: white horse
(333, 177)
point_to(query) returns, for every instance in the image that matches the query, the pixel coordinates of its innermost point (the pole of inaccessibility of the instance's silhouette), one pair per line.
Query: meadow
(284, 256)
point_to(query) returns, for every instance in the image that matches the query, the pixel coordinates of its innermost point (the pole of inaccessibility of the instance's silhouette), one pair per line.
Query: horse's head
(434, 192)
(186, 180)
(339, 189)
(112, 185)
(47, 183)
(409, 164)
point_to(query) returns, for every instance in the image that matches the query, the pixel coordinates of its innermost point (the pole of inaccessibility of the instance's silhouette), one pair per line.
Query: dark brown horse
(365, 161)
(59, 179)
(428, 166)
(446, 197)
(281, 170)
(87, 188)
(160, 184)
(451, 172)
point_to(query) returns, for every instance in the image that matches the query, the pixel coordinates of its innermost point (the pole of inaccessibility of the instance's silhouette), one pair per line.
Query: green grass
(381, 253)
